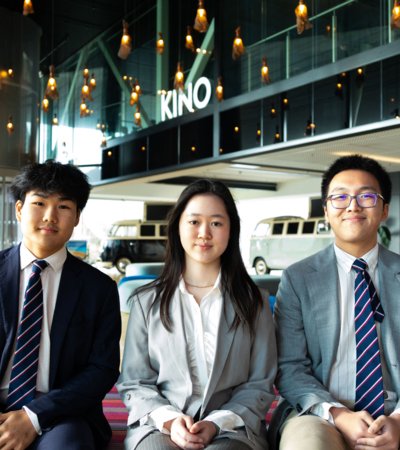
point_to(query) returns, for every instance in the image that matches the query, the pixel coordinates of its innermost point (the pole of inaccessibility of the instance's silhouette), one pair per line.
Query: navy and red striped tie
(24, 370)
(369, 381)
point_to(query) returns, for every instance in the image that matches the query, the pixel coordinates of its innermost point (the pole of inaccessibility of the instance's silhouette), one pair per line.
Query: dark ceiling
(68, 25)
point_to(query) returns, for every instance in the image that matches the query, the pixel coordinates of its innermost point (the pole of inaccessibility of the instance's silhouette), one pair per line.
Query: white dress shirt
(50, 278)
(342, 380)
(201, 331)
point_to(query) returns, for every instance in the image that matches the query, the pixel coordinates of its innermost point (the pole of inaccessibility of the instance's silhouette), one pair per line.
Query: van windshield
(261, 229)
(123, 230)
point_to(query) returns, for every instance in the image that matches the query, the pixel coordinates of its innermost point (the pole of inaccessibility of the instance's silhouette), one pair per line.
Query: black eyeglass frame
(350, 198)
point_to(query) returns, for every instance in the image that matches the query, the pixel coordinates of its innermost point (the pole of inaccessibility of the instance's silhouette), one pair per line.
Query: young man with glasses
(338, 325)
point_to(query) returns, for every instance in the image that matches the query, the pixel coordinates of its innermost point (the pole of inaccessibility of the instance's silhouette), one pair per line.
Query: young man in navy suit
(79, 328)
(338, 324)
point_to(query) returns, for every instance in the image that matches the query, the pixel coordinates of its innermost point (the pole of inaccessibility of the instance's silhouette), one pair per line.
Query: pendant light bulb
(395, 18)
(92, 83)
(125, 47)
(265, 71)
(51, 88)
(138, 116)
(160, 44)
(45, 104)
(302, 21)
(27, 8)
(10, 126)
(238, 46)
(189, 44)
(83, 109)
(200, 21)
(179, 81)
(133, 98)
(219, 90)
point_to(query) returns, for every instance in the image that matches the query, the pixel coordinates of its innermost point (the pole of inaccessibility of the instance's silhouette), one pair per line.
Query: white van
(280, 241)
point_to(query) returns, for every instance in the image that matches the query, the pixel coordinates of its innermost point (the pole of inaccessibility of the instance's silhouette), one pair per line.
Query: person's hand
(386, 434)
(16, 431)
(352, 425)
(204, 429)
(181, 435)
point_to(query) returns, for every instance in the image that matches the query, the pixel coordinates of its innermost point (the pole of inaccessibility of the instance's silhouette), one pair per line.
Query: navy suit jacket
(84, 336)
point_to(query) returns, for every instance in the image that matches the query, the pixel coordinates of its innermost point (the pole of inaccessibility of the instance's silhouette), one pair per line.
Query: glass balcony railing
(349, 28)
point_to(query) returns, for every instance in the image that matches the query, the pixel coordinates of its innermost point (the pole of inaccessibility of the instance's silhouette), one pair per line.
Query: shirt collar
(345, 260)
(55, 261)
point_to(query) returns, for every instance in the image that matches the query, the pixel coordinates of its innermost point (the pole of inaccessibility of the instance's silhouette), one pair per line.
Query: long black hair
(235, 281)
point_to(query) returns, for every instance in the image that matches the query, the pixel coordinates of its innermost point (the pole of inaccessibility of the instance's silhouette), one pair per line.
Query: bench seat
(117, 415)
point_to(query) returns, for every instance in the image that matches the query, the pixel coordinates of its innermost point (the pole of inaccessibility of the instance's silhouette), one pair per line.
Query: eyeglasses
(364, 200)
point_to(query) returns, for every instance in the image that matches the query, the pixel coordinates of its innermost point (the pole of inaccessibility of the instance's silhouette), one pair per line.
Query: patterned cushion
(117, 415)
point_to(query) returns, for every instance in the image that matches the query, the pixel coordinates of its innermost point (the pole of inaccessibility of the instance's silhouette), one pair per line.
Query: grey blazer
(307, 327)
(155, 369)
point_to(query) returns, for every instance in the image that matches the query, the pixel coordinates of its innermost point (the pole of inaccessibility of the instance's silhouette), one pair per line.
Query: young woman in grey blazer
(200, 356)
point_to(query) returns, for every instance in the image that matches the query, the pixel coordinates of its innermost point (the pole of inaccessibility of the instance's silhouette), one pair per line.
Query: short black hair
(54, 178)
(358, 162)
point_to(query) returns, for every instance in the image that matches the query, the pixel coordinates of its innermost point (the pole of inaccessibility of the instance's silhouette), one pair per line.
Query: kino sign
(172, 102)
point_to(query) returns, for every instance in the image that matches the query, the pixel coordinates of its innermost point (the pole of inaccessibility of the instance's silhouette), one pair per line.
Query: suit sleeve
(295, 380)
(93, 376)
(252, 399)
(138, 380)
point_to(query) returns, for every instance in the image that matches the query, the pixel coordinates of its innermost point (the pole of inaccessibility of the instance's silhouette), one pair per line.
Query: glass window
(293, 227)
(308, 227)
(277, 228)
(126, 230)
(148, 230)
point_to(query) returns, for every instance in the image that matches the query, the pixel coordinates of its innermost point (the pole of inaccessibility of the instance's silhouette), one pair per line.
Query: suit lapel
(177, 339)
(224, 342)
(323, 285)
(67, 297)
(389, 288)
(9, 289)
(9, 301)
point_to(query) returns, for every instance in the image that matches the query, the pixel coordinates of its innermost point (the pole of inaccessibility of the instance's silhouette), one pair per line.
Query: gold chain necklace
(196, 286)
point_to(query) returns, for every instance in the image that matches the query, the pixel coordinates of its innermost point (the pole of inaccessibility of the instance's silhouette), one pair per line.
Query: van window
(277, 228)
(148, 230)
(163, 230)
(292, 228)
(308, 227)
(124, 230)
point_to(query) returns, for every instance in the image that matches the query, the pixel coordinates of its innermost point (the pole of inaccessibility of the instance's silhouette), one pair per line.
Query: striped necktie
(24, 370)
(369, 382)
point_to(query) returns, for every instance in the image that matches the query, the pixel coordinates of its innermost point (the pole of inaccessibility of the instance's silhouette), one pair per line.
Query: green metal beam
(202, 58)
(112, 62)
(81, 61)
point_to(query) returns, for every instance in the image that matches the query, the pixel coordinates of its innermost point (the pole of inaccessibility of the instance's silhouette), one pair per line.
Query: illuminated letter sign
(173, 102)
